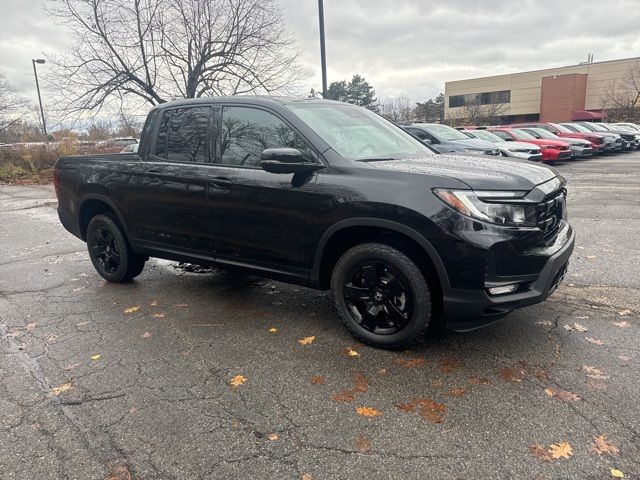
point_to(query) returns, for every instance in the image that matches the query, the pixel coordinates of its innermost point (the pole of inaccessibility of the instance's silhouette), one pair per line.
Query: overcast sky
(401, 46)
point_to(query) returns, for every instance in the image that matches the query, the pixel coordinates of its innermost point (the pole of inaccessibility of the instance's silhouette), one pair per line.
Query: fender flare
(104, 199)
(380, 223)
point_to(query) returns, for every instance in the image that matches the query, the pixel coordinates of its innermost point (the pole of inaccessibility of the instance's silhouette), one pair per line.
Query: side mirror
(286, 160)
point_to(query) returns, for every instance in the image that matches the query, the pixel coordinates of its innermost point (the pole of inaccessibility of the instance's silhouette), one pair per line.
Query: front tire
(381, 295)
(110, 252)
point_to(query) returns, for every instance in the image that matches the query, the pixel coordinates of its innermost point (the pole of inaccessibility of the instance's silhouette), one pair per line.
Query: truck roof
(241, 99)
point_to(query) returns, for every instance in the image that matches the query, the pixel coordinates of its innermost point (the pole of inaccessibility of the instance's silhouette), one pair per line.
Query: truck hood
(479, 173)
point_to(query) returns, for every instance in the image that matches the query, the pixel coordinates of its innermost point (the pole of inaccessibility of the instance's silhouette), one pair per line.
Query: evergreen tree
(357, 91)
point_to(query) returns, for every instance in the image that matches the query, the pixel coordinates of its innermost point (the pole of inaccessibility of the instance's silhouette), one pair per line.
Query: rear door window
(184, 135)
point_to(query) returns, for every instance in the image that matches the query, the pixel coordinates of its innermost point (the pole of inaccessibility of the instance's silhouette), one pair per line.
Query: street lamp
(35, 73)
(323, 55)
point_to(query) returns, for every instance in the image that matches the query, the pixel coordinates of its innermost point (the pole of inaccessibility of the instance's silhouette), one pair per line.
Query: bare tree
(477, 114)
(11, 103)
(397, 109)
(159, 50)
(621, 98)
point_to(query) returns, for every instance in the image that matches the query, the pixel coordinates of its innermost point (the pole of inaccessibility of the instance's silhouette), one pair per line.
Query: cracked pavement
(88, 391)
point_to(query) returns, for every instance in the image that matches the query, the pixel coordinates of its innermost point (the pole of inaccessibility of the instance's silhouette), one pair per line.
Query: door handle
(154, 170)
(221, 182)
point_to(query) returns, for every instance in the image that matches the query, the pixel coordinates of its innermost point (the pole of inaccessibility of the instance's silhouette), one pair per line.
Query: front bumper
(466, 309)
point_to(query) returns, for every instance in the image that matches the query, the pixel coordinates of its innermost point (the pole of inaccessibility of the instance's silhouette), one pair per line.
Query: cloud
(401, 46)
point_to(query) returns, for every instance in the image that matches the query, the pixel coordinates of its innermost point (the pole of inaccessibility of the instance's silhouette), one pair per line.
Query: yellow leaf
(96, 357)
(368, 412)
(154, 303)
(237, 381)
(272, 436)
(273, 330)
(158, 315)
(350, 352)
(306, 340)
(616, 473)
(131, 309)
(623, 324)
(562, 395)
(601, 445)
(62, 388)
(561, 450)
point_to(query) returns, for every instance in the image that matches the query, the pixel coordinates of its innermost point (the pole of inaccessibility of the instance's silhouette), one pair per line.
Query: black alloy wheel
(105, 249)
(378, 297)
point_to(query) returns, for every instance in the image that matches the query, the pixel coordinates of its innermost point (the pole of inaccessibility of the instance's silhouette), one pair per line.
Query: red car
(552, 150)
(597, 141)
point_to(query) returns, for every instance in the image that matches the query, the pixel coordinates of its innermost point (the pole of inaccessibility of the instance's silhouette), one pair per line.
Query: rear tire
(381, 295)
(110, 252)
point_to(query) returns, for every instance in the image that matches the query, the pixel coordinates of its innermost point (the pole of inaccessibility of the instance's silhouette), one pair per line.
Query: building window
(487, 98)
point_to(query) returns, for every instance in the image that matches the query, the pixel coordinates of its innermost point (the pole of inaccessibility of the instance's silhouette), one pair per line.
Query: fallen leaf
(406, 407)
(601, 445)
(457, 392)
(131, 309)
(362, 444)
(96, 357)
(410, 362)
(306, 476)
(623, 324)
(576, 327)
(237, 381)
(182, 305)
(382, 371)
(479, 381)
(562, 395)
(595, 341)
(616, 473)
(430, 410)
(349, 352)
(561, 450)
(361, 383)
(594, 373)
(591, 257)
(72, 366)
(344, 396)
(306, 340)
(31, 327)
(437, 384)
(448, 365)
(318, 380)
(273, 330)
(62, 388)
(624, 358)
(539, 451)
(368, 412)
(582, 318)
(546, 323)
(75, 290)
(272, 436)
(154, 303)
(158, 315)
(146, 335)
(514, 375)
(622, 313)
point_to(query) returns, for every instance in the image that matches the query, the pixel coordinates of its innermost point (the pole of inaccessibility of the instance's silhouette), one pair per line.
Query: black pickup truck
(326, 195)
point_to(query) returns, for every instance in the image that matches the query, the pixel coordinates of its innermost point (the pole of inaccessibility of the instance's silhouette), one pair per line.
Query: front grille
(549, 214)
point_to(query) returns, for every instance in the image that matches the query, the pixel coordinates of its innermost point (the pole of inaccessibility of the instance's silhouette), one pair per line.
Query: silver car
(522, 150)
(579, 148)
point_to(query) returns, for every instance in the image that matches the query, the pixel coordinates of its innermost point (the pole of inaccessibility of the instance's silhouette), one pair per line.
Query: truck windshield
(357, 133)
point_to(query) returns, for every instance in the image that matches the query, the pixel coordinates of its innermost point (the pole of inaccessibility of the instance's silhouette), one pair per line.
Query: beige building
(556, 94)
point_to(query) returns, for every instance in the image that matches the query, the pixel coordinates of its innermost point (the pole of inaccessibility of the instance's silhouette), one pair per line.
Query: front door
(172, 194)
(262, 219)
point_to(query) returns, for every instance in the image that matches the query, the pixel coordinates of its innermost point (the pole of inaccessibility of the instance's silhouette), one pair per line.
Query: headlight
(501, 208)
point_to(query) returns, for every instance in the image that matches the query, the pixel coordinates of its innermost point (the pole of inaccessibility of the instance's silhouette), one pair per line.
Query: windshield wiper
(381, 159)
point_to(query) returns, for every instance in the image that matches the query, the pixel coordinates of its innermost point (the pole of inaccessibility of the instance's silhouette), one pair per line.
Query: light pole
(35, 73)
(323, 55)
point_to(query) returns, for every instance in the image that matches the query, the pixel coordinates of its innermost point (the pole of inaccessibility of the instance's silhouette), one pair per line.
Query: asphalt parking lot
(194, 375)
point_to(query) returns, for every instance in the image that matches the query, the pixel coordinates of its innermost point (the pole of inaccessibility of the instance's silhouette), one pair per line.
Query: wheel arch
(95, 204)
(325, 255)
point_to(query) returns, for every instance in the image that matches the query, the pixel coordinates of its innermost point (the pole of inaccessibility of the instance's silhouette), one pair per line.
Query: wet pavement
(136, 381)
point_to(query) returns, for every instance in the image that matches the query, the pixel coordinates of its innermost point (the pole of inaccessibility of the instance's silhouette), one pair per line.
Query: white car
(522, 150)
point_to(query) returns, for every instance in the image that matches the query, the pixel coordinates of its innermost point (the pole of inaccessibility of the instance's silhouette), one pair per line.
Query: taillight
(56, 181)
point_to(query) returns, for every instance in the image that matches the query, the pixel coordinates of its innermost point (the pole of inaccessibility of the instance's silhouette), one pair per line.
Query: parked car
(628, 140)
(633, 126)
(596, 139)
(326, 195)
(625, 132)
(521, 150)
(446, 139)
(117, 142)
(552, 150)
(612, 141)
(132, 148)
(579, 148)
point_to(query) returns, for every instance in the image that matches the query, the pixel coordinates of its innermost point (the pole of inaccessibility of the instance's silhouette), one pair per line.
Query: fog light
(503, 290)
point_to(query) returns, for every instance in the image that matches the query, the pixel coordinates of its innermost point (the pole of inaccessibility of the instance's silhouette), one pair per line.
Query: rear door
(172, 194)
